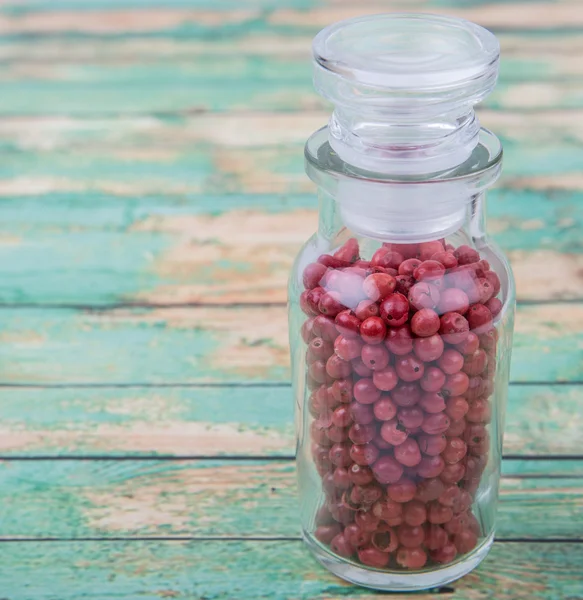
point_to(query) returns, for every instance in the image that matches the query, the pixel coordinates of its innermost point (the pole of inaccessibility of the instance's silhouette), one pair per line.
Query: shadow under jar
(401, 307)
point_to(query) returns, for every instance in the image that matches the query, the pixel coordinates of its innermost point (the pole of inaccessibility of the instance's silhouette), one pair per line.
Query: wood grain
(253, 420)
(129, 499)
(249, 570)
(223, 344)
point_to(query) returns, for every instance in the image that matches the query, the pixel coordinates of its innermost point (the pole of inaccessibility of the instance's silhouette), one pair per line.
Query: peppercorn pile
(401, 355)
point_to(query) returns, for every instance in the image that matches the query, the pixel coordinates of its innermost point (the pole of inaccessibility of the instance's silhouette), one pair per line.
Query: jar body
(400, 362)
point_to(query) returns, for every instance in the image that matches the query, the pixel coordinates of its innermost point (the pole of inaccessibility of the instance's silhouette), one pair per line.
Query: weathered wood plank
(158, 250)
(93, 499)
(208, 344)
(214, 421)
(194, 20)
(216, 84)
(277, 570)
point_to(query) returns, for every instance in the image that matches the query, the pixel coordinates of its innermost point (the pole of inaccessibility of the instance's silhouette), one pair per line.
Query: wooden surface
(152, 198)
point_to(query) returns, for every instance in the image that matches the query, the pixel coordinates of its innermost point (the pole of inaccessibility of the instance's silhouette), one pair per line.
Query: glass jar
(401, 307)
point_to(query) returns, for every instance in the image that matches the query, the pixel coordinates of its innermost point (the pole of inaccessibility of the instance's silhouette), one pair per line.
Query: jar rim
(484, 165)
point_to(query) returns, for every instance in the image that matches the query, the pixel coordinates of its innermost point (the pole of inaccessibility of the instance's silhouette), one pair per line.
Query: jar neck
(403, 141)
(404, 210)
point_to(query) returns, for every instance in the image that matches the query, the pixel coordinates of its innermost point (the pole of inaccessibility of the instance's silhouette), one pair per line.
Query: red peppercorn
(367, 521)
(424, 295)
(366, 309)
(458, 522)
(432, 445)
(360, 474)
(325, 328)
(408, 453)
(410, 417)
(402, 491)
(479, 317)
(404, 284)
(428, 249)
(435, 537)
(379, 285)
(454, 328)
(479, 411)
(384, 408)
(438, 514)
(428, 349)
(347, 324)
(365, 391)
(432, 380)
(385, 539)
(429, 489)
(406, 394)
(375, 358)
(312, 275)
(451, 361)
(399, 340)
(341, 546)
(411, 558)
(326, 533)
(431, 271)
(340, 455)
(394, 310)
(385, 257)
(430, 466)
(494, 281)
(409, 368)
(453, 300)
(362, 434)
(447, 259)
(385, 379)
(338, 368)
(444, 555)
(373, 558)
(432, 402)
(362, 413)
(455, 385)
(341, 479)
(349, 251)
(410, 536)
(466, 255)
(456, 408)
(337, 434)
(454, 451)
(319, 349)
(364, 454)
(330, 303)
(407, 267)
(465, 541)
(373, 330)
(453, 473)
(341, 391)
(475, 363)
(494, 305)
(355, 536)
(393, 432)
(360, 368)
(425, 322)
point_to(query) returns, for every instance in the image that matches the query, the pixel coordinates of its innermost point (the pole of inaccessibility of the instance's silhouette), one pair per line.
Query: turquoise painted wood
(254, 420)
(223, 344)
(258, 569)
(71, 499)
(139, 140)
